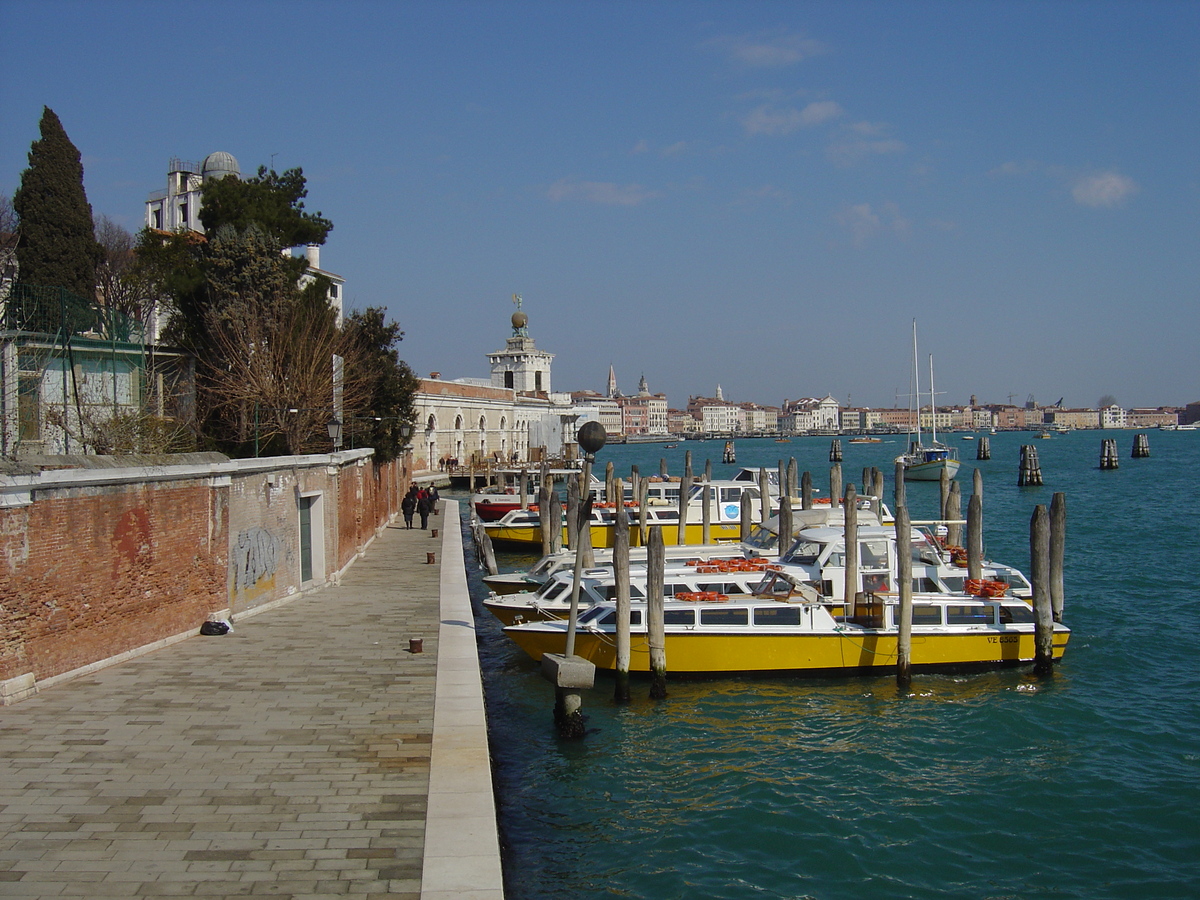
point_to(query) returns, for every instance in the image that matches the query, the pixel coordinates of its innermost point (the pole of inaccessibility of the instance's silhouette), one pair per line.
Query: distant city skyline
(761, 195)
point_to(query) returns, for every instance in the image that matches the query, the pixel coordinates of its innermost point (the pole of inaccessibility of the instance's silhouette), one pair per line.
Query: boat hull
(931, 471)
(813, 653)
(602, 535)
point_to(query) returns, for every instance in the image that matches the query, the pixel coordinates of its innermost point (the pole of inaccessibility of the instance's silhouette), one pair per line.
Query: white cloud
(641, 146)
(767, 49)
(860, 220)
(606, 193)
(863, 221)
(1103, 189)
(768, 119)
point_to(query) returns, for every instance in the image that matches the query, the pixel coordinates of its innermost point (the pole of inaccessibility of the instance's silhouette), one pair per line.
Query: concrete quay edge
(462, 846)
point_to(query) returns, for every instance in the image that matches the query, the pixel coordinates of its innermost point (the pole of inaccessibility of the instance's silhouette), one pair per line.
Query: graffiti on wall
(255, 559)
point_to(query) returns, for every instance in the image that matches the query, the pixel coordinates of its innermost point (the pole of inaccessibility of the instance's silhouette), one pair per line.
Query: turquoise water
(1085, 784)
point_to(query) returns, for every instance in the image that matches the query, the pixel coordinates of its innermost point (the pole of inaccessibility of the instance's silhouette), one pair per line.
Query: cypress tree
(58, 245)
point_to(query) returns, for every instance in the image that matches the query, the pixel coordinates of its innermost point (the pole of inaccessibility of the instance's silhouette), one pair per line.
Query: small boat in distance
(925, 462)
(866, 440)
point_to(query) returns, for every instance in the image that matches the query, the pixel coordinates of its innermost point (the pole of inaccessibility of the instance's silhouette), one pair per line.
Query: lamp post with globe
(569, 673)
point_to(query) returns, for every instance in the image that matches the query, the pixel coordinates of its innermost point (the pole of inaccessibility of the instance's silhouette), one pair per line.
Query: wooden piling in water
(484, 550)
(747, 516)
(556, 516)
(977, 484)
(572, 513)
(983, 448)
(706, 513)
(850, 513)
(687, 463)
(610, 476)
(708, 470)
(975, 537)
(656, 636)
(954, 515)
(621, 589)
(1108, 454)
(793, 486)
(544, 514)
(1031, 469)
(1058, 547)
(785, 524)
(943, 492)
(835, 451)
(904, 588)
(806, 492)
(764, 494)
(662, 467)
(835, 485)
(643, 503)
(1141, 446)
(1039, 571)
(685, 488)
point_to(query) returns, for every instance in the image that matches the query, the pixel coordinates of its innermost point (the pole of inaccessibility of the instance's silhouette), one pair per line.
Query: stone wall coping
(17, 490)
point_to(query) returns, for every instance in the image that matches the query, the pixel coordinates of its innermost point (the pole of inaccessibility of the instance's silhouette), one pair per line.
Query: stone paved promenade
(299, 756)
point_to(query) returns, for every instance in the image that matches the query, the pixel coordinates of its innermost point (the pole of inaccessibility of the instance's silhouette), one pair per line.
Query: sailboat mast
(932, 403)
(916, 384)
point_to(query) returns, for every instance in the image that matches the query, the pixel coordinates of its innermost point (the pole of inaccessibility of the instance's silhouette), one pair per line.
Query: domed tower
(520, 366)
(218, 165)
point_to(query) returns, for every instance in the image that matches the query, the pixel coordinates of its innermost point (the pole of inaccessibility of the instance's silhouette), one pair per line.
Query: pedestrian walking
(424, 506)
(408, 506)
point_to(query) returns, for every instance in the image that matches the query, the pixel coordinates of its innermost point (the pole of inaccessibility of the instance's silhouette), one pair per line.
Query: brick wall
(95, 563)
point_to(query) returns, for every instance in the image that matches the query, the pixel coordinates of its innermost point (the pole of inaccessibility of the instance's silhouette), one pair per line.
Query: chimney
(313, 254)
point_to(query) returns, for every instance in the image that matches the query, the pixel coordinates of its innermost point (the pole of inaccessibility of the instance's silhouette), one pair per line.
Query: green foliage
(271, 201)
(58, 247)
(388, 384)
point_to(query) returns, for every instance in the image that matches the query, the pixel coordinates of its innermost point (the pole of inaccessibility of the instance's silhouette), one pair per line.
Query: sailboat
(925, 462)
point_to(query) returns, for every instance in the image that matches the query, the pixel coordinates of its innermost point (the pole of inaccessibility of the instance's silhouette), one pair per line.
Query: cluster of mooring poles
(571, 675)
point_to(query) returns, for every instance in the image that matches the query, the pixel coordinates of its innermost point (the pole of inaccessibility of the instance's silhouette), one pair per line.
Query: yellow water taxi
(784, 630)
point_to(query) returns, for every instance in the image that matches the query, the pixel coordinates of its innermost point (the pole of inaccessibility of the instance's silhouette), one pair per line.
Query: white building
(511, 417)
(178, 208)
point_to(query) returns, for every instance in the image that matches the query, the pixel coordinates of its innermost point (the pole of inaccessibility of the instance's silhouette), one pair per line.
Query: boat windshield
(761, 538)
(552, 589)
(803, 552)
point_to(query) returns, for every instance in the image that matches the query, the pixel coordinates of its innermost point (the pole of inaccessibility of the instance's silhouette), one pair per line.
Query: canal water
(1085, 784)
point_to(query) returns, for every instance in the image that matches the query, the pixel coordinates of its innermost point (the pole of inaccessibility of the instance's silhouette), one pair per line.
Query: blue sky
(758, 194)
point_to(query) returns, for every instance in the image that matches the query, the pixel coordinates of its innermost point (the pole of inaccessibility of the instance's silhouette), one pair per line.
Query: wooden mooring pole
(747, 516)
(706, 494)
(685, 488)
(1058, 548)
(621, 588)
(806, 493)
(1039, 571)
(1141, 446)
(835, 485)
(954, 515)
(656, 635)
(1031, 470)
(903, 583)
(1108, 454)
(850, 513)
(983, 449)
(544, 514)
(764, 494)
(835, 451)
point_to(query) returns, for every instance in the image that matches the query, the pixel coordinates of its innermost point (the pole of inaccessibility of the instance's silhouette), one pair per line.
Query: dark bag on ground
(214, 628)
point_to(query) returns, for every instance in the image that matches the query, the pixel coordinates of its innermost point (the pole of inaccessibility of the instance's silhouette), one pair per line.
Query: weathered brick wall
(95, 564)
(92, 572)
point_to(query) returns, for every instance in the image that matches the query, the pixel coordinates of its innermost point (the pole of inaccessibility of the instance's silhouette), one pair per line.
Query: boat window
(679, 617)
(610, 619)
(782, 616)
(636, 592)
(955, 582)
(670, 590)
(591, 614)
(552, 589)
(761, 538)
(731, 494)
(635, 617)
(926, 614)
(803, 553)
(923, 585)
(873, 554)
(664, 514)
(735, 616)
(970, 615)
(1017, 615)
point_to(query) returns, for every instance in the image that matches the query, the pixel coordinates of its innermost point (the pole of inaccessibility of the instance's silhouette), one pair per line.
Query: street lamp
(591, 438)
(405, 434)
(335, 432)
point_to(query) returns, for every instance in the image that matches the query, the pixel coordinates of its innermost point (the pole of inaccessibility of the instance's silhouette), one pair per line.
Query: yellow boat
(524, 527)
(800, 635)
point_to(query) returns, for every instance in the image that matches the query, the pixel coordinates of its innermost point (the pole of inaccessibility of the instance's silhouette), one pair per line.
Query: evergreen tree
(387, 384)
(58, 246)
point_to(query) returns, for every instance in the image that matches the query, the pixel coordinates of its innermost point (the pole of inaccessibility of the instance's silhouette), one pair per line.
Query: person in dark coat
(408, 506)
(424, 507)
